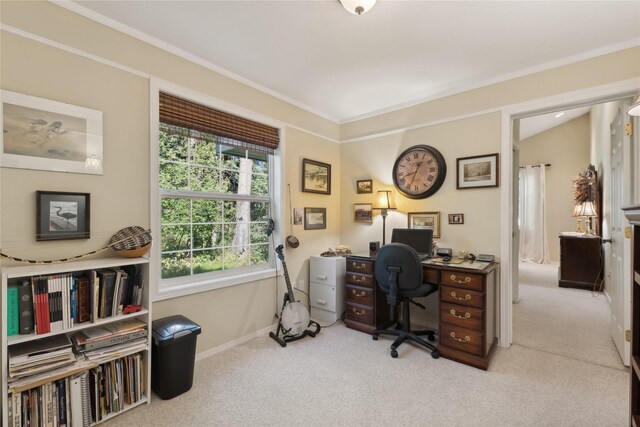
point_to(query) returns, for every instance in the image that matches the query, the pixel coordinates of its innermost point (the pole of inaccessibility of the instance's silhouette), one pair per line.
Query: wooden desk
(467, 306)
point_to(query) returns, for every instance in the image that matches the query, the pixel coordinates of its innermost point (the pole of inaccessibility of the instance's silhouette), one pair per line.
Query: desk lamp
(588, 210)
(384, 201)
(576, 214)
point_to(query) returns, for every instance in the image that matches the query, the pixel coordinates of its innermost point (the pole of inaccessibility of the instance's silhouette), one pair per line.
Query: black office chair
(399, 275)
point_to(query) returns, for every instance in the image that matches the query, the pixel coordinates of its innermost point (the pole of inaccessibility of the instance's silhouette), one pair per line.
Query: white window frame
(180, 286)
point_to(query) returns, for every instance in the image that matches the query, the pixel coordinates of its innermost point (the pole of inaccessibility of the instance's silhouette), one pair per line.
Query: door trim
(583, 97)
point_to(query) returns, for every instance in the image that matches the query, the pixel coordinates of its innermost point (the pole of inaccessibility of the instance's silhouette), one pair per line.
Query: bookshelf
(13, 274)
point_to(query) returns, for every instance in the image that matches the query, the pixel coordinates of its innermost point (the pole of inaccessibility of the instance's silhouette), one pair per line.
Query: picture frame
(362, 212)
(315, 218)
(364, 186)
(49, 135)
(477, 171)
(456, 218)
(316, 177)
(425, 220)
(297, 216)
(62, 215)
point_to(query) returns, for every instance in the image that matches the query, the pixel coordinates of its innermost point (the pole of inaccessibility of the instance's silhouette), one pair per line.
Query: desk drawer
(461, 316)
(430, 275)
(462, 339)
(360, 280)
(461, 296)
(360, 295)
(359, 266)
(462, 280)
(360, 313)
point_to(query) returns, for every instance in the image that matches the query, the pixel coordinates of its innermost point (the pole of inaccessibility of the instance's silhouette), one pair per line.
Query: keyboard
(423, 257)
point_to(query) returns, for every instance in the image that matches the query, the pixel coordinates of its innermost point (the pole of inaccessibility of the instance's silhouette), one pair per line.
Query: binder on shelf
(25, 294)
(13, 311)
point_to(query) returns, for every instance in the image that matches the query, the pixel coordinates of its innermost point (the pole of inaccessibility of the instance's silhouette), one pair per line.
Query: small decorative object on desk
(131, 242)
(341, 250)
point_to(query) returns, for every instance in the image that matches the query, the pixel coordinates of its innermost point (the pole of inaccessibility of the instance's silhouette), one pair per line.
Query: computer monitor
(420, 239)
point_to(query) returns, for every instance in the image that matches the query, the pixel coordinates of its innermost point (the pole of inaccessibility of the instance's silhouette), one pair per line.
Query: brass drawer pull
(357, 266)
(467, 279)
(467, 297)
(358, 294)
(358, 279)
(460, 316)
(359, 313)
(466, 338)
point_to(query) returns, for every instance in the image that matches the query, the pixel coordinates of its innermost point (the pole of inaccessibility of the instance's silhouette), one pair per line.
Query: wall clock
(419, 171)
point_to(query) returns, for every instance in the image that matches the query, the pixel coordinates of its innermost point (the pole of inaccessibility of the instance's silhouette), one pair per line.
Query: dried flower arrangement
(583, 190)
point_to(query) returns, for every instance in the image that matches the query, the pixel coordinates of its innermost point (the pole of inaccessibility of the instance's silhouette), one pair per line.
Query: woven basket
(131, 242)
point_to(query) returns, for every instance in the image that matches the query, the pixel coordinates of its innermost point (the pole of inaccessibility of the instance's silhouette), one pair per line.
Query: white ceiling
(531, 126)
(343, 66)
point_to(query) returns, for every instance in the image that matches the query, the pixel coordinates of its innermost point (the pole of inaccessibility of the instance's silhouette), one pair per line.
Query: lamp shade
(576, 210)
(358, 7)
(384, 200)
(588, 209)
(634, 110)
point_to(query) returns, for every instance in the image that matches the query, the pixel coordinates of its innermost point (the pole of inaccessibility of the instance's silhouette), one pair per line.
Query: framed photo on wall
(316, 177)
(49, 135)
(477, 171)
(315, 218)
(456, 218)
(425, 220)
(62, 216)
(364, 186)
(362, 212)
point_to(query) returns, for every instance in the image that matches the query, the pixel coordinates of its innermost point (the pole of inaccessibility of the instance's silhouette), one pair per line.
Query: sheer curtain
(533, 219)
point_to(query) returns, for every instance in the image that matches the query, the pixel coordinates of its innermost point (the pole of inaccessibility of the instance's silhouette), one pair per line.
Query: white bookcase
(11, 273)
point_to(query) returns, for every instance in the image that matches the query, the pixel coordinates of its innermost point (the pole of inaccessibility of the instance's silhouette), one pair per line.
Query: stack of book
(35, 357)
(60, 301)
(112, 340)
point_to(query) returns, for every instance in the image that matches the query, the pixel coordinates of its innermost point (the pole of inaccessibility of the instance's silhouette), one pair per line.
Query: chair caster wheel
(375, 337)
(394, 353)
(431, 337)
(435, 354)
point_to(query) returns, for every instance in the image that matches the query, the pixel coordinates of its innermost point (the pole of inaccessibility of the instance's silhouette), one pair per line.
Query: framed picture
(315, 218)
(62, 216)
(457, 218)
(297, 216)
(364, 186)
(362, 212)
(48, 135)
(316, 177)
(477, 171)
(425, 220)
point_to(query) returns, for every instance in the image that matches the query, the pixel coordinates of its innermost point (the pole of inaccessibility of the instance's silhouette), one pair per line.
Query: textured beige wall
(566, 148)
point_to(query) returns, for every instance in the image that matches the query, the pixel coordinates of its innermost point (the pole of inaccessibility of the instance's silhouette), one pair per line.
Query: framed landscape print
(425, 220)
(364, 186)
(362, 212)
(316, 177)
(477, 171)
(315, 218)
(62, 216)
(48, 135)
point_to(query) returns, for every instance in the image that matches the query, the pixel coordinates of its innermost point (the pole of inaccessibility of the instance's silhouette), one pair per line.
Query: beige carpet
(343, 377)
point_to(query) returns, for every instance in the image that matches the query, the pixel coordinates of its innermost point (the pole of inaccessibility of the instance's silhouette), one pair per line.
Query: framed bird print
(49, 135)
(62, 216)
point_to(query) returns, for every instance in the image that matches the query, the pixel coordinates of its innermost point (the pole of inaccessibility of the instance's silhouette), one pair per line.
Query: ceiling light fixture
(559, 115)
(358, 7)
(634, 110)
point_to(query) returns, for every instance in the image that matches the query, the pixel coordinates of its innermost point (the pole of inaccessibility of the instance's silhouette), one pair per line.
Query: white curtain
(534, 246)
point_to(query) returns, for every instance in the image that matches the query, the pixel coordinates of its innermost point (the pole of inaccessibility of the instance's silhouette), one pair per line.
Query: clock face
(419, 171)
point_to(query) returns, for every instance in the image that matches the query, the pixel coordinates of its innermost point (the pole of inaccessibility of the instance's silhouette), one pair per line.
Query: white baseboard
(231, 344)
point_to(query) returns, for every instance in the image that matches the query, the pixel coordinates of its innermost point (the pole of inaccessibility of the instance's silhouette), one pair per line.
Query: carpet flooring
(343, 377)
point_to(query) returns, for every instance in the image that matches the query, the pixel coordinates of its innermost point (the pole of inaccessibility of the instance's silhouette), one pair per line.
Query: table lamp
(384, 201)
(588, 210)
(576, 213)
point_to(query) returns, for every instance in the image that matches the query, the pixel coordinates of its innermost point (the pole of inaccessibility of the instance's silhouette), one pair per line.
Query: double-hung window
(215, 188)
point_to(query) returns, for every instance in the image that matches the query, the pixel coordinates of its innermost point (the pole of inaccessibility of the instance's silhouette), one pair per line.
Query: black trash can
(173, 357)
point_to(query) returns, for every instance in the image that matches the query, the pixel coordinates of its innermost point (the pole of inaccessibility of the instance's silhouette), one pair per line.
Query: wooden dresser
(367, 308)
(467, 307)
(580, 262)
(633, 215)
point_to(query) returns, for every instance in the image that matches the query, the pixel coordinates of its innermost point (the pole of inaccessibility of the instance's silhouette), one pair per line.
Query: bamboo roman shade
(232, 129)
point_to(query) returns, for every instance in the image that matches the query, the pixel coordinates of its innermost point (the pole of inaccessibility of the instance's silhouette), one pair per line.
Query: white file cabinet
(326, 288)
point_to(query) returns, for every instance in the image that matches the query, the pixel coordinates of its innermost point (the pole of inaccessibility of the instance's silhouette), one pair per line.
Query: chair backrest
(404, 260)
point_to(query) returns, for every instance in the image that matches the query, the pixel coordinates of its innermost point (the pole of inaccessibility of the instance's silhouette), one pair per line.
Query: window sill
(193, 285)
